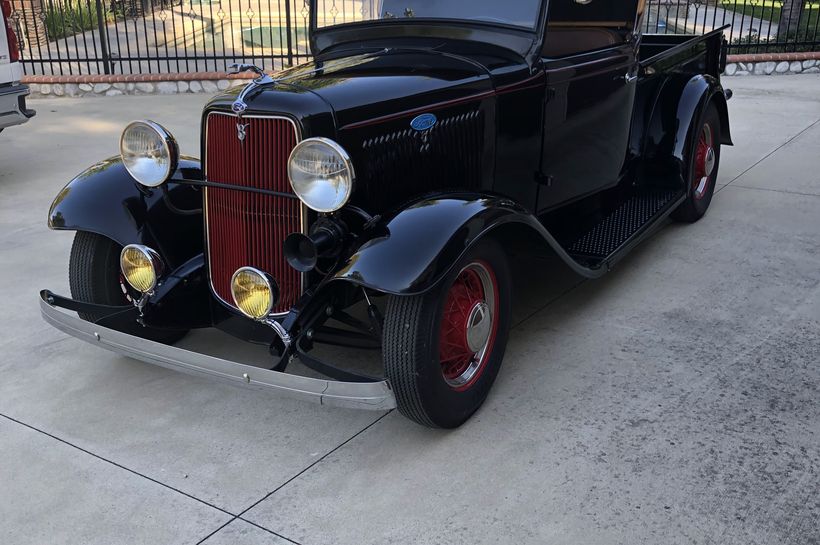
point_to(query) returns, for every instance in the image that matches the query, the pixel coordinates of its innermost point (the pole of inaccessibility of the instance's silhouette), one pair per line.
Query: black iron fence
(66, 37)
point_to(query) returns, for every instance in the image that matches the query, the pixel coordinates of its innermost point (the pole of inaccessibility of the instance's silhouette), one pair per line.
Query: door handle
(629, 78)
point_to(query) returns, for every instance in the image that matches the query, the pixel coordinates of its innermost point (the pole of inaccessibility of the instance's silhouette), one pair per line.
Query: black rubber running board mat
(620, 225)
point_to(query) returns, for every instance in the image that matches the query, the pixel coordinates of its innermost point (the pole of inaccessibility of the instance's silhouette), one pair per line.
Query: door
(590, 60)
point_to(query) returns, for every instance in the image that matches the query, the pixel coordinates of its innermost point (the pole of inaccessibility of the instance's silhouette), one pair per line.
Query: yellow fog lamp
(254, 292)
(141, 266)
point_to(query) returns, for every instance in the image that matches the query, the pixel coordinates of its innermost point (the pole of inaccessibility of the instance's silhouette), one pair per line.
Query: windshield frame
(523, 41)
(314, 26)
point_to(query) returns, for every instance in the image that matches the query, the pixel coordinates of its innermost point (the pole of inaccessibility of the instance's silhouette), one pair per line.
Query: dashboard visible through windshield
(519, 13)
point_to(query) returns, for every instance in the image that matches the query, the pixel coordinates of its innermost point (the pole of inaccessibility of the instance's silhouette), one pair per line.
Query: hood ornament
(240, 104)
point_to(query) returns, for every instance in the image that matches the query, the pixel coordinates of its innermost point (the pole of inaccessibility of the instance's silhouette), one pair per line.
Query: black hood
(375, 85)
(381, 82)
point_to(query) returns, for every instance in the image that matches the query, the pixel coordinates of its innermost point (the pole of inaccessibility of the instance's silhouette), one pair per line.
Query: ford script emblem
(424, 122)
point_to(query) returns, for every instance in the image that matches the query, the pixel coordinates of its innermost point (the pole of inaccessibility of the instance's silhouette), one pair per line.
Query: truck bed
(700, 53)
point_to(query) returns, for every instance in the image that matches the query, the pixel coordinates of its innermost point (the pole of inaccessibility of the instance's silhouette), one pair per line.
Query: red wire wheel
(468, 325)
(704, 162)
(702, 170)
(443, 348)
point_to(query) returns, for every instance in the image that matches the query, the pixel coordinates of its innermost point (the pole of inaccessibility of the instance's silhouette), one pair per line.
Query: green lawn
(769, 10)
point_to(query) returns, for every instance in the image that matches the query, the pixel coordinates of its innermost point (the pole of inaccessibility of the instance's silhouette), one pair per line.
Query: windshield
(520, 13)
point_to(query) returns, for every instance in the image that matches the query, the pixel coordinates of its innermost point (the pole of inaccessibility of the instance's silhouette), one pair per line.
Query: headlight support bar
(204, 183)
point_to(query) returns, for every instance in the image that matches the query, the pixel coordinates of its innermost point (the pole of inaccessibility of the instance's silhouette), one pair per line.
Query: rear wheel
(704, 160)
(443, 349)
(94, 277)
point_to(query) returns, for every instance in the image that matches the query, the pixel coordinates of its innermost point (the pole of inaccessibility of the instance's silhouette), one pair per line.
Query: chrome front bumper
(360, 395)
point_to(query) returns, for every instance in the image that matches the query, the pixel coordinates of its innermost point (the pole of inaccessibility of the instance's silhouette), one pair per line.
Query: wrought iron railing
(66, 37)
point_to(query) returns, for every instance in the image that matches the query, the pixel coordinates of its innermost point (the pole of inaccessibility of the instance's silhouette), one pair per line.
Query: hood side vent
(400, 164)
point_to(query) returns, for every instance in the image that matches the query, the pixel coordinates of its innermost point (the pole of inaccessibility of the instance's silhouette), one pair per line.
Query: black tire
(413, 332)
(698, 200)
(94, 277)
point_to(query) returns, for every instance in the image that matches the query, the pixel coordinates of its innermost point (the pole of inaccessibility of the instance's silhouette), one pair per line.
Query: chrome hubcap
(709, 163)
(705, 159)
(478, 326)
(707, 167)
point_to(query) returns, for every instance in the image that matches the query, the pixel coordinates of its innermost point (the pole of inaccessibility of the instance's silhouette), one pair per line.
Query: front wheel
(443, 349)
(94, 277)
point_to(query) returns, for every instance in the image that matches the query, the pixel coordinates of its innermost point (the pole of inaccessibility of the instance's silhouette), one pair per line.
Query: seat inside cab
(578, 26)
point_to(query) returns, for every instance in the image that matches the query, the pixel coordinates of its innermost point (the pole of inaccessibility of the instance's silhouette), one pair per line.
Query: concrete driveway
(674, 401)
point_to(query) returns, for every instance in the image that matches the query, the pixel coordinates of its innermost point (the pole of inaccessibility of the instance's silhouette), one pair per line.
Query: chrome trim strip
(358, 395)
(302, 210)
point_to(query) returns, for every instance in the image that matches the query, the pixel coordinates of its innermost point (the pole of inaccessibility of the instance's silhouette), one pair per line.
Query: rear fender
(679, 108)
(418, 246)
(106, 200)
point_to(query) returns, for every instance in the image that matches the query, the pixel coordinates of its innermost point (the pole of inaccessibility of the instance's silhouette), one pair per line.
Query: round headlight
(321, 174)
(253, 292)
(141, 267)
(149, 152)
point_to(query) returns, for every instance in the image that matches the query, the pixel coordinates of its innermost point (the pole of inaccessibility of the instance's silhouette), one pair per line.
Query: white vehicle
(13, 94)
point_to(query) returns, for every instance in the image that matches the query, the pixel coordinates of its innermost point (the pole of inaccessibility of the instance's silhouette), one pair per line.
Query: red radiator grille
(245, 228)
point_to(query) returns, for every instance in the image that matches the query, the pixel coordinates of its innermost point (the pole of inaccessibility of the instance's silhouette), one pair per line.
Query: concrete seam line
(309, 467)
(784, 191)
(204, 539)
(115, 464)
(235, 518)
(768, 155)
(267, 530)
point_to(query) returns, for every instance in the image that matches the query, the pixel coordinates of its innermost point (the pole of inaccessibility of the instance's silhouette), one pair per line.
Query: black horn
(303, 252)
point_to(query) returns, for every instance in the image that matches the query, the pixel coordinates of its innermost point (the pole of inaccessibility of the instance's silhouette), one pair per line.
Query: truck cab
(13, 110)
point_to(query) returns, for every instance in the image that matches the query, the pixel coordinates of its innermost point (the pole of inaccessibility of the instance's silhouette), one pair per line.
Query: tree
(790, 17)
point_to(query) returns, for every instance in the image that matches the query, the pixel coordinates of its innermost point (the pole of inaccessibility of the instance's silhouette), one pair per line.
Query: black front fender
(419, 245)
(105, 199)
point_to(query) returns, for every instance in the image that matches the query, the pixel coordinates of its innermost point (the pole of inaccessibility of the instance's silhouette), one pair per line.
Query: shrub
(69, 18)
(754, 43)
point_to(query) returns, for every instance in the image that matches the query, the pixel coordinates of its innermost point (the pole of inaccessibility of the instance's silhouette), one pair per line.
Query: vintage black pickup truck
(370, 198)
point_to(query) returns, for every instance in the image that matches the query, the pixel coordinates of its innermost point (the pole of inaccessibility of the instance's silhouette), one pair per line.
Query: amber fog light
(254, 292)
(141, 266)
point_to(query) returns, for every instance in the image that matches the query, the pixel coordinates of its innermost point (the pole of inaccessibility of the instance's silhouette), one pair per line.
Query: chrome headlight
(321, 174)
(149, 152)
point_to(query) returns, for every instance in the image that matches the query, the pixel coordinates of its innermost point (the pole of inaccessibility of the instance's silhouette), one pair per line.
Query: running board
(622, 228)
